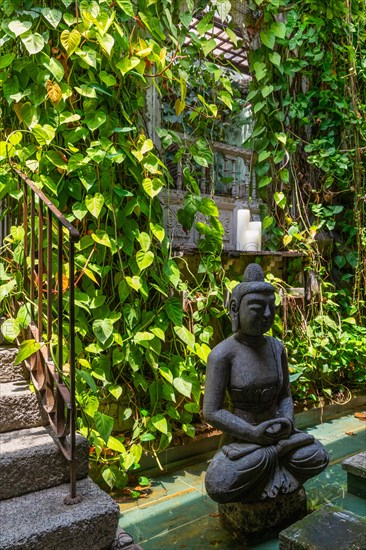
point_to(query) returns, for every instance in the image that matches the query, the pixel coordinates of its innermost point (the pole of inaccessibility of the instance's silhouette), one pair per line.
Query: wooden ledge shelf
(185, 251)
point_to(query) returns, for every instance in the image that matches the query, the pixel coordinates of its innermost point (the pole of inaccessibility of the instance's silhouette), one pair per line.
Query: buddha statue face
(252, 304)
(256, 313)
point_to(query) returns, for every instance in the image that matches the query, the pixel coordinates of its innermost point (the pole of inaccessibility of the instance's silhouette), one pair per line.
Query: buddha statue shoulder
(248, 397)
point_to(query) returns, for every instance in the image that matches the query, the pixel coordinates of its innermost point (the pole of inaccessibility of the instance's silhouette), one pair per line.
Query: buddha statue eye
(258, 311)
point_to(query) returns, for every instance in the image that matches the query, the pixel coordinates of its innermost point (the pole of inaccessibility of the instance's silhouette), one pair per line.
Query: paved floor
(179, 515)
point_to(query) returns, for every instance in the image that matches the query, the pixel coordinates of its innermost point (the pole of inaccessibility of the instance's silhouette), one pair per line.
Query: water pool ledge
(179, 515)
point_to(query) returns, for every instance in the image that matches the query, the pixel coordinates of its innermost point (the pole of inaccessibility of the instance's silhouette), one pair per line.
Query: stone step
(355, 466)
(41, 520)
(8, 371)
(328, 528)
(19, 407)
(30, 460)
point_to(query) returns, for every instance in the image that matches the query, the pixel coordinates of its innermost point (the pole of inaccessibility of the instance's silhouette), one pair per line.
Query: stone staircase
(34, 478)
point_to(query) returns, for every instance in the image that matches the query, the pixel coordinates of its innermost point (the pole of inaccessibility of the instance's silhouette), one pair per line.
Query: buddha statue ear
(234, 314)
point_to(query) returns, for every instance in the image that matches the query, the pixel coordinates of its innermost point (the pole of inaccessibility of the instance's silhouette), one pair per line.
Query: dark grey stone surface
(41, 520)
(355, 467)
(328, 528)
(8, 371)
(265, 455)
(31, 460)
(263, 517)
(356, 485)
(19, 407)
(356, 464)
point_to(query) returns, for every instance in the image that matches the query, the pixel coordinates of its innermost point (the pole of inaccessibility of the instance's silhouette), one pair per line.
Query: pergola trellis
(224, 51)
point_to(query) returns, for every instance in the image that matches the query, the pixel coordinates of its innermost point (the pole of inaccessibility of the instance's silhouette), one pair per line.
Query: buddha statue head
(252, 304)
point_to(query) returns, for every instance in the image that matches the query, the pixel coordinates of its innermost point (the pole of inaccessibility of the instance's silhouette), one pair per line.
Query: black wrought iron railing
(49, 282)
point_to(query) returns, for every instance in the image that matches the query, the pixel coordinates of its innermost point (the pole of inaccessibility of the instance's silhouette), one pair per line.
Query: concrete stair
(41, 521)
(30, 460)
(34, 479)
(355, 466)
(19, 407)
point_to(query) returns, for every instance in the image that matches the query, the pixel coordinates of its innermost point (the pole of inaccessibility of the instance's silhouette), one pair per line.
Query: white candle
(251, 240)
(242, 221)
(256, 226)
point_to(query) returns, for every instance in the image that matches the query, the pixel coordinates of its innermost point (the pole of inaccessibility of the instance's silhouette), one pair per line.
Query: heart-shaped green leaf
(94, 119)
(79, 210)
(101, 237)
(27, 348)
(160, 423)
(144, 259)
(53, 16)
(185, 335)
(183, 385)
(94, 204)
(103, 329)
(104, 425)
(34, 42)
(152, 187)
(19, 27)
(70, 40)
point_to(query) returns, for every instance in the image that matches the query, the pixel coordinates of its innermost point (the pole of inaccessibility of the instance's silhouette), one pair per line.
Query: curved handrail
(44, 230)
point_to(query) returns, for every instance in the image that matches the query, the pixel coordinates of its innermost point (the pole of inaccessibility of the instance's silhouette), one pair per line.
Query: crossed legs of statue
(248, 472)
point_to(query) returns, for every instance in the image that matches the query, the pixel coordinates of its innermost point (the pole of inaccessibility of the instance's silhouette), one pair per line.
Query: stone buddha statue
(248, 397)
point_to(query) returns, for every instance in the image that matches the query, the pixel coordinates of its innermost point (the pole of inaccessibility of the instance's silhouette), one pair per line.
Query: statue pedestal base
(262, 519)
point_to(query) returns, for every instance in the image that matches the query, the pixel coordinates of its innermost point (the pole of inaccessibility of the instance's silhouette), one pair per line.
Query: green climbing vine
(308, 100)
(74, 81)
(307, 96)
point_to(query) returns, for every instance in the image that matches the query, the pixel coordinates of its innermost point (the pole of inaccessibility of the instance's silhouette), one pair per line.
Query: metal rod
(25, 241)
(59, 299)
(40, 269)
(49, 281)
(32, 253)
(72, 369)
(74, 233)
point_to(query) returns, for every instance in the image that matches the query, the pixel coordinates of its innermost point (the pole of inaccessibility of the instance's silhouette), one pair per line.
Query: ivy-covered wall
(74, 78)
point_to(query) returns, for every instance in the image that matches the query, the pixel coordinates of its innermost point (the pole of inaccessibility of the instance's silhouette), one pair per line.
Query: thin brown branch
(86, 264)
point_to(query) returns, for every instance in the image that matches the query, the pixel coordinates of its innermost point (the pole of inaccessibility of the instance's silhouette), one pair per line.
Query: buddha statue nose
(267, 312)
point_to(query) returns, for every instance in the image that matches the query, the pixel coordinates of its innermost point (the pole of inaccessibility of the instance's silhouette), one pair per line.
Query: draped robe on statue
(254, 373)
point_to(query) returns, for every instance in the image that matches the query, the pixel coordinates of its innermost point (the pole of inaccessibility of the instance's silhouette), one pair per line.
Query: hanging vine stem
(359, 206)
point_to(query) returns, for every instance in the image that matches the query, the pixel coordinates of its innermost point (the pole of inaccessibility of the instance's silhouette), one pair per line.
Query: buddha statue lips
(264, 455)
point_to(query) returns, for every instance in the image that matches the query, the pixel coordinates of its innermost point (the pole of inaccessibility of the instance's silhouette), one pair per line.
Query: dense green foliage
(74, 79)
(308, 97)
(74, 82)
